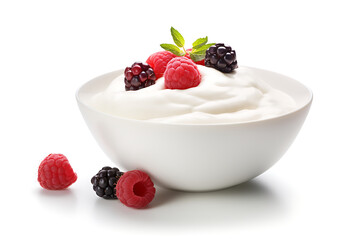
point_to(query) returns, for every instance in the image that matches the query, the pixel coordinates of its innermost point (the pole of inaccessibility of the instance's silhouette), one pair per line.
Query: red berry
(158, 62)
(187, 55)
(135, 189)
(181, 73)
(55, 172)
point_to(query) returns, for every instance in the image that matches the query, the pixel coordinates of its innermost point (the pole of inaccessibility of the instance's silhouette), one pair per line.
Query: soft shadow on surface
(57, 200)
(247, 203)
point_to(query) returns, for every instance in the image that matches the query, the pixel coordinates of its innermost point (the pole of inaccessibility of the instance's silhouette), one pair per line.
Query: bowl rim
(307, 103)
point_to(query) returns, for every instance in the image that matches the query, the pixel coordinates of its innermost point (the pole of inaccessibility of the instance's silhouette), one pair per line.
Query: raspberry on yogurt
(181, 73)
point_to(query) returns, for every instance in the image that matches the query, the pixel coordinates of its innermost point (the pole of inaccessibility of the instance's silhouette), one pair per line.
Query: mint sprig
(177, 37)
(199, 47)
(172, 48)
(199, 42)
(198, 54)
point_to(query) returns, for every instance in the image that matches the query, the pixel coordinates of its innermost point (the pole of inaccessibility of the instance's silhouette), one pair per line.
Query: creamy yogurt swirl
(239, 96)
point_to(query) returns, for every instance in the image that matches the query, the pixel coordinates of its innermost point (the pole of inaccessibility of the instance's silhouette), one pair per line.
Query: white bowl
(197, 157)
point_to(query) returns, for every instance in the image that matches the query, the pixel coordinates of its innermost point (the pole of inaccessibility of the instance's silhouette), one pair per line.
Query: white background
(49, 48)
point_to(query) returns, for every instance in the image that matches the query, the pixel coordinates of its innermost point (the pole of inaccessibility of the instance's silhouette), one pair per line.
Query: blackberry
(221, 57)
(139, 75)
(104, 182)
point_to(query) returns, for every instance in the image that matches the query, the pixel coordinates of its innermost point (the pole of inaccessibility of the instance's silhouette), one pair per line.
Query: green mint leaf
(197, 56)
(199, 53)
(178, 38)
(172, 48)
(203, 48)
(199, 42)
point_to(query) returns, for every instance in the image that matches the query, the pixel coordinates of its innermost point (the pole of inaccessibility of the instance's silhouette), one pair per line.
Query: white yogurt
(239, 96)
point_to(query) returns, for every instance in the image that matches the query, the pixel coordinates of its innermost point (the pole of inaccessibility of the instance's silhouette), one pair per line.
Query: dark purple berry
(99, 191)
(112, 181)
(221, 57)
(104, 182)
(221, 63)
(149, 83)
(229, 58)
(212, 49)
(136, 63)
(135, 81)
(145, 66)
(108, 191)
(111, 173)
(228, 48)
(127, 83)
(102, 173)
(143, 76)
(221, 51)
(138, 76)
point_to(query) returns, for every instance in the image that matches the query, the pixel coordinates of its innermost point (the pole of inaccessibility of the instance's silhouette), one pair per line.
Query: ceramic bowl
(197, 157)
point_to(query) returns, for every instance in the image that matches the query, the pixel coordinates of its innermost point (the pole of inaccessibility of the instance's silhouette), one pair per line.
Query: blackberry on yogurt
(139, 75)
(221, 57)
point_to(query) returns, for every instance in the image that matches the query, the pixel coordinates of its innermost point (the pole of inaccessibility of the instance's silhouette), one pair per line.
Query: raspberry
(104, 182)
(221, 57)
(187, 55)
(135, 189)
(139, 75)
(158, 62)
(55, 172)
(181, 73)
